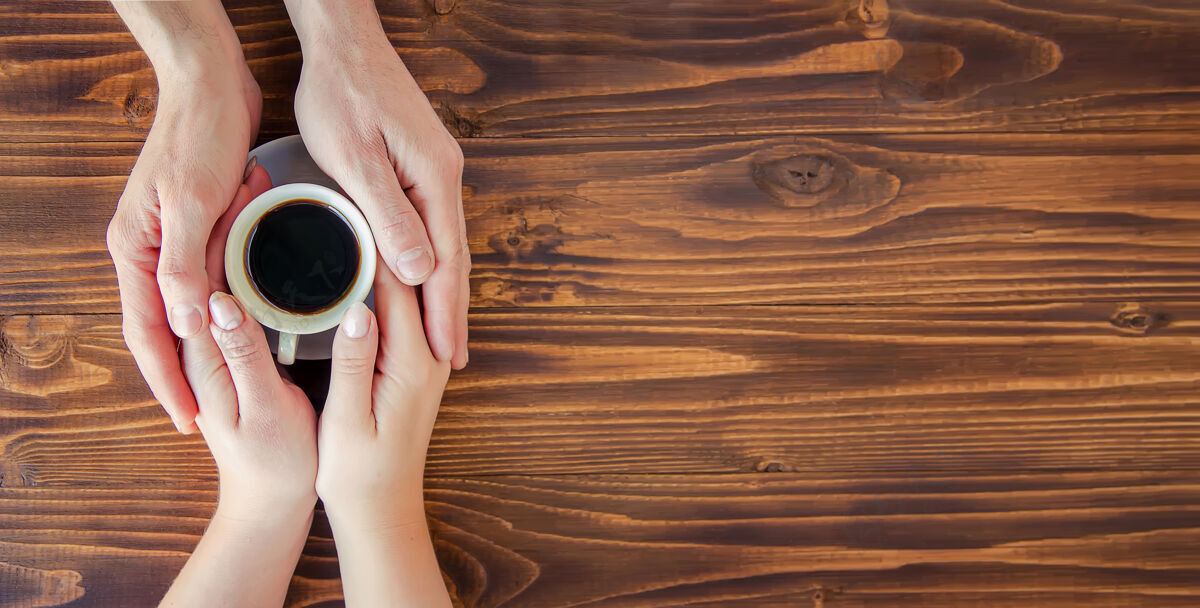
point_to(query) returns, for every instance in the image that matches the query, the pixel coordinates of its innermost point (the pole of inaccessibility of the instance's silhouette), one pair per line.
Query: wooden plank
(615, 221)
(909, 539)
(575, 67)
(871, 389)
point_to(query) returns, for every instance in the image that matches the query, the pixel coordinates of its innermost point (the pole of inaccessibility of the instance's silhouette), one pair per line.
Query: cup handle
(287, 348)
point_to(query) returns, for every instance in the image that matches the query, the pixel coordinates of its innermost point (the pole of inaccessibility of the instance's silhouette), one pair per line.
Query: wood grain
(809, 303)
(616, 221)
(555, 67)
(683, 389)
(909, 539)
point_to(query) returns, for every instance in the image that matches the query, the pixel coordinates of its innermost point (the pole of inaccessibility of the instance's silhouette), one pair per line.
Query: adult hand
(184, 179)
(368, 126)
(373, 435)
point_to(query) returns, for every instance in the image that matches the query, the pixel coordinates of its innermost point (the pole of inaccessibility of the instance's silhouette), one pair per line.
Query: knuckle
(402, 225)
(172, 273)
(354, 365)
(239, 349)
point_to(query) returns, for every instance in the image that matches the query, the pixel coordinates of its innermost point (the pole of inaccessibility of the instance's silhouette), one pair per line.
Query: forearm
(185, 40)
(392, 565)
(241, 562)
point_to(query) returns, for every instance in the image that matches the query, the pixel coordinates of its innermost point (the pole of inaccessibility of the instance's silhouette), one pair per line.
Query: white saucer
(287, 162)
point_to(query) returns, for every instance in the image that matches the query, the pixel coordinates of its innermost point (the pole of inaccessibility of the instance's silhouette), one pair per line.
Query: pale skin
(371, 440)
(365, 122)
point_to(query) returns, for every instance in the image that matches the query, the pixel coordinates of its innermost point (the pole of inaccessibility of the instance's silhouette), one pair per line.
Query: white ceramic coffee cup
(291, 325)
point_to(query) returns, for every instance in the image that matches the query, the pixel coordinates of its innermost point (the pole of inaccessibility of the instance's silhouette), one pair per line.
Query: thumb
(353, 368)
(399, 230)
(181, 276)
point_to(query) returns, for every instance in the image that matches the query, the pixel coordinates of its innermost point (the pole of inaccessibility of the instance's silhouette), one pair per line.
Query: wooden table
(776, 303)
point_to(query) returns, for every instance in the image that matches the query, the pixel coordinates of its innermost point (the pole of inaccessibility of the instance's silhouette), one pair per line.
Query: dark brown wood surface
(880, 389)
(784, 539)
(689, 220)
(808, 303)
(625, 67)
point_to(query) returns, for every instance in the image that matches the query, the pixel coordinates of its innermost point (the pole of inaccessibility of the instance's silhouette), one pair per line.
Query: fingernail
(186, 321)
(178, 427)
(414, 264)
(250, 165)
(225, 311)
(356, 321)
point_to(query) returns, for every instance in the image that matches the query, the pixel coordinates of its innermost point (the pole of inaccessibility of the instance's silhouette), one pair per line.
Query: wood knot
(869, 17)
(37, 357)
(1135, 319)
(828, 184)
(804, 174)
(819, 595)
(459, 124)
(443, 7)
(33, 342)
(535, 234)
(773, 466)
(137, 106)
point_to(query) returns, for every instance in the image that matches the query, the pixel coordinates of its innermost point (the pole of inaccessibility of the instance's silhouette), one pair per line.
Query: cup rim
(238, 276)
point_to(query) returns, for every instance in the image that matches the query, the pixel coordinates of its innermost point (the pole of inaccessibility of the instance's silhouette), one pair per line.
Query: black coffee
(302, 256)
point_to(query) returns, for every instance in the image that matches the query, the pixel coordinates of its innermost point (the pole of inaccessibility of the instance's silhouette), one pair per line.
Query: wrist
(182, 40)
(271, 510)
(190, 59)
(372, 514)
(336, 27)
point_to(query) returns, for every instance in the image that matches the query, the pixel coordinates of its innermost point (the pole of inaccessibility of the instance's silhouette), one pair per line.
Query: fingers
(181, 275)
(398, 229)
(246, 354)
(153, 347)
(446, 295)
(446, 316)
(257, 178)
(209, 378)
(214, 253)
(353, 367)
(256, 183)
(144, 325)
(399, 318)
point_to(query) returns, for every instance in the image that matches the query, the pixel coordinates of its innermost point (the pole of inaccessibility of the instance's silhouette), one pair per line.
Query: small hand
(184, 179)
(380, 411)
(373, 435)
(262, 433)
(368, 125)
(261, 429)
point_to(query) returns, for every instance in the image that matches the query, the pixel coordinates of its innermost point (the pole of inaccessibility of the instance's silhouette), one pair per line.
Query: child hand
(261, 430)
(373, 436)
(379, 414)
(262, 433)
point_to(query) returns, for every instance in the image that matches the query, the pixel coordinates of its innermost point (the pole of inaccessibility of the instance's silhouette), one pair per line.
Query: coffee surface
(302, 256)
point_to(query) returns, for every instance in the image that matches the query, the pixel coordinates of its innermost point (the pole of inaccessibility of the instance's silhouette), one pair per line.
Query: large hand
(184, 179)
(368, 125)
(373, 435)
